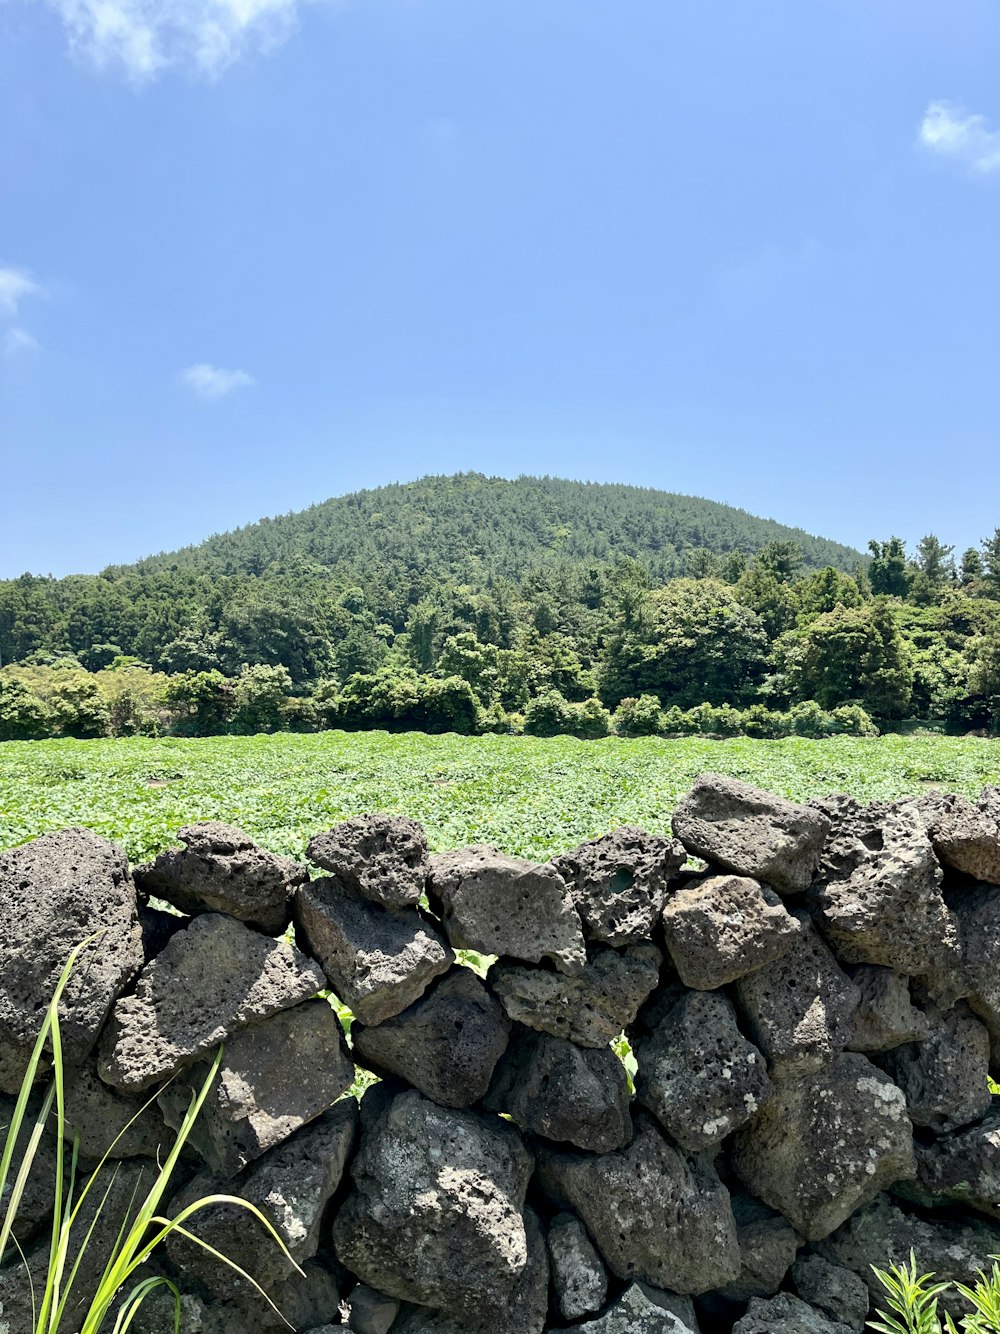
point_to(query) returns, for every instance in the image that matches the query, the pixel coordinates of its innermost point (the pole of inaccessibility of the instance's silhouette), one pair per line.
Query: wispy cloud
(952, 132)
(143, 38)
(209, 381)
(18, 342)
(15, 285)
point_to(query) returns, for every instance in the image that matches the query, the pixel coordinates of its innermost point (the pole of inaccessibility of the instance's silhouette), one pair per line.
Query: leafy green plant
(913, 1300)
(138, 1236)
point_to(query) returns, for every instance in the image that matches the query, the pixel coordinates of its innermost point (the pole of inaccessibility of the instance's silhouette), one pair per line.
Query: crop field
(527, 795)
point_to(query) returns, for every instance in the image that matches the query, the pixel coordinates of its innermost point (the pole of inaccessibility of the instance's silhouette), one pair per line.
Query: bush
(760, 721)
(259, 697)
(23, 716)
(852, 720)
(809, 719)
(495, 721)
(638, 717)
(548, 715)
(591, 720)
(79, 707)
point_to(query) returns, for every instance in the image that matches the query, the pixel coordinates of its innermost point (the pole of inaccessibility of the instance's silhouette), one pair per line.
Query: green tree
(259, 697)
(23, 716)
(825, 590)
(991, 562)
(889, 569)
(851, 654)
(79, 707)
(202, 702)
(697, 642)
(971, 570)
(478, 664)
(935, 559)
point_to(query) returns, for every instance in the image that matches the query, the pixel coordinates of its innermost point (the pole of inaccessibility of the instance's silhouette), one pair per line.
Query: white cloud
(15, 285)
(18, 342)
(143, 38)
(209, 381)
(952, 132)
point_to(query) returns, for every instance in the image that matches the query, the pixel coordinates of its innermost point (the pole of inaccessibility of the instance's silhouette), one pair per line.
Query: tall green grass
(122, 1287)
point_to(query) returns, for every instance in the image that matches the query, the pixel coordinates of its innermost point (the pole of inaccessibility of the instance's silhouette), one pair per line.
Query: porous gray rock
(800, 1009)
(966, 837)
(889, 908)
(214, 978)
(107, 1121)
(944, 1078)
(832, 1290)
(768, 1244)
(378, 962)
(723, 927)
(57, 892)
(446, 1044)
(590, 1009)
(882, 1234)
(698, 1074)
(619, 883)
(786, 1314)
(655, 1212)
(275, 1077)
(751, 833)
(383, 857)
(978, 914)
(575, 1095)
(964, 1168)
(579, 1279)
(372, 1312)
(886, 1016)
(507, 906)
(824, 1144)
(221, 869)
(643, 1310)
(436, 1214)
(291, 1186)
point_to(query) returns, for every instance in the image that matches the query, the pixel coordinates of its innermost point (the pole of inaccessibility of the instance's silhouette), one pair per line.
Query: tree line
(728, 643)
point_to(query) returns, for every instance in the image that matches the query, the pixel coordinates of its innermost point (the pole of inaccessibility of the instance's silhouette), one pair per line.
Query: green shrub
(638, 717)
(23, 716)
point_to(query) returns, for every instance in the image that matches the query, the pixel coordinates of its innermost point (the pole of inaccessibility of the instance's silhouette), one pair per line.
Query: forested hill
(472, 529)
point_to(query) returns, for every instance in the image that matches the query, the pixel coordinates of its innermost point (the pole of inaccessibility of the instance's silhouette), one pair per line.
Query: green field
(527, 795)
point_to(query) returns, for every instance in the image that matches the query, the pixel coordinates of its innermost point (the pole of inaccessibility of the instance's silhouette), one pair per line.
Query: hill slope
(470, 527)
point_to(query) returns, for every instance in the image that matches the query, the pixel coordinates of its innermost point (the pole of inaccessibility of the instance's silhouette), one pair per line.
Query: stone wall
(810, 994)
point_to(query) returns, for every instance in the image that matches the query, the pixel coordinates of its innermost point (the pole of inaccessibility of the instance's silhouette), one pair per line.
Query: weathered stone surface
(826, 1143)
(372, 1312)
(221, 869)
(275, 1077)
(590, 1009)
(507, 906)
(886, 1016)
(214, 978)
(436, 1214)
(377, 962)
(579, 1279)
(944, 1077)
(643, 1310)
(799, 1010)
(724, 927)
(751, 833)
(964, 1168)
(571, 1094)
(832, 1290)
(55, 893)
(768, 1244)
(966, 838)
(446, 1045)
(889, 909)
(291, 1185)
(698, 1074)
(655, 1212)
(978, 915)
(619, 883)
(883, 1235)
(105, 1119)
(786, 1314)
(383, 857)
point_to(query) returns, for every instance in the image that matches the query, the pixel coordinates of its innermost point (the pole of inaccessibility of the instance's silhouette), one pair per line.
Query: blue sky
(254, 253)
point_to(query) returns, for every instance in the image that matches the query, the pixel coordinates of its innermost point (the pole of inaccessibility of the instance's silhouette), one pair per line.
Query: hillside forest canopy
(475, 604)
